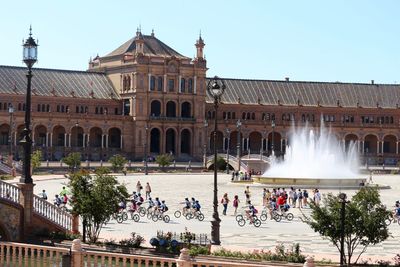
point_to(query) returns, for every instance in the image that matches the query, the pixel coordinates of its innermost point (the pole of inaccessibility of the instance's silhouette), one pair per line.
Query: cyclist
(187, 206)
(163, 207)
(193, 202)
(197, 207)
(151, 204)
(57, 201)
(250, 212)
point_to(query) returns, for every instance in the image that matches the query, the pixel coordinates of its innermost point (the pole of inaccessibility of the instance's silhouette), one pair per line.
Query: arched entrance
(171, 109)
(4, 134)
(219, 141)
(40, 136)
(275, 140)
(370, 144)
(186, 110)
(170, 143)
(155, 141)
(95, 135)
(155, 108)
(350, 139)
(185, 141)
(58, 136)
(255, 140)
(389, 144)
(234, 141)
(114, 138)
(77, 136)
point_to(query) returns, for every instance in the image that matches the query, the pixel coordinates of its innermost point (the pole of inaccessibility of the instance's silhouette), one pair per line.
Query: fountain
(314, 160)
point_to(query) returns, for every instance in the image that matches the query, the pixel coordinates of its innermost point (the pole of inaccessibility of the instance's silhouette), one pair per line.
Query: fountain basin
(343, 183)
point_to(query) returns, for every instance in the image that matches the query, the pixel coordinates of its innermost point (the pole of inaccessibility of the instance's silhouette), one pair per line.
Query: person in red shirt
(281, 201)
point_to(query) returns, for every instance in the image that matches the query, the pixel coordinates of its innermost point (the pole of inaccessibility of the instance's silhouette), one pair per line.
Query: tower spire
(199, 47)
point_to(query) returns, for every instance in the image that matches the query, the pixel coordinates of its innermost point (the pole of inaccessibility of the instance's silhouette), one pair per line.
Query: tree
(36, 160)
(95, 198)
(364, 221)
(73, 160)
(117, 162)
(221, 163)
(164, 160)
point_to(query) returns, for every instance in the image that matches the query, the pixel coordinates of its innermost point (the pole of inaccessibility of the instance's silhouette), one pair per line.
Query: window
(224, 115)
(171, 85)
(229, 115)
(253, 116)
(48, 108)
(43, 107)
(233, 115)
(160, 84)
(77, 109)
(96, 110)
(101, 110)
(152, 83)
(190, 85)
(116, 111)
(38, 107)
(183, 85)
(62, 108)
(19, 106)
(243, 115)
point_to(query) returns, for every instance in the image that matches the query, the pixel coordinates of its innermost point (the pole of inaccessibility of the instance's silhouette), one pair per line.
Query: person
(247, 191)
(64, 191)
(157, 204)
(235, 204)
(193, 202)
(224, 202)
(139, 187)
(148, 190)
(317, 197)
(65, 199)
(57, 201)
(250, 212)
(280, 203)
(124, 170)
(163, 207)
(291, 196)
(264, 197)
(197, 207)
(186, 208)
(300, 197)
(44, 195)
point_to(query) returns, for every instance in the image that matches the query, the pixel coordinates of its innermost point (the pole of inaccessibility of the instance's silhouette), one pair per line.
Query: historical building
(146, 97)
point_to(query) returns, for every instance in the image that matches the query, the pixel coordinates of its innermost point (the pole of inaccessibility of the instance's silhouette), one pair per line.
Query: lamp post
(342, 199)
(273, 135)
(29, 58)
(238, 148)
(228, 132)
(205, 144)
(10, 139)
(146, 172)
(215, 89)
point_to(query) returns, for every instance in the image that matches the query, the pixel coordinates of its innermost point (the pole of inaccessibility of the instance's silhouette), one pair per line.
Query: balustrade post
(77, 253)
(184, 259)
(26, 201)
(75, 223)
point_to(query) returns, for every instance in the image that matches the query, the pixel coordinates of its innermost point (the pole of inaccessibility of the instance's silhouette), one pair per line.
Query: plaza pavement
(173, 188)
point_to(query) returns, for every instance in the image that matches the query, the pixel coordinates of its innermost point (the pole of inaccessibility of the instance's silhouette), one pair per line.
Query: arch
(155, 109)
(170, 141)
(349, 139)
(40, 135)
(389, 144)
(186, 141)
(95, 137)
(233, 141)
(4, 134)
(77, 136)
(58, 135)
(219, 141)
(370, 144)
(155, 140)
(171, 109)
(276, 142)
(186, 110)
(114, 137)
(255, 142)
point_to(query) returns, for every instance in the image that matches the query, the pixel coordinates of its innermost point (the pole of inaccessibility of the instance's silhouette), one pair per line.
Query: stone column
(102, 141)
(83, 140)
(88, 140)
(26, 201)
(149, 81)
(65, 139)
(179, 84)
(69, 141)
(382, 146)
(51, 139)
(106, 140)
(223, 144)
(194, 84)
(165, 83)
(77, 253)
(362, 147)
(397, 147)
(47, 139)
(121, 142)
(377, 147)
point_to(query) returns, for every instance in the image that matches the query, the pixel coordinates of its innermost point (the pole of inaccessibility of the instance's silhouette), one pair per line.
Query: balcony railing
(165, 118)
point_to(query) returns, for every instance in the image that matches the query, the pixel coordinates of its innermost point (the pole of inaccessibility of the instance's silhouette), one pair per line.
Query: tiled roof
(52, 82)
(152, 47)
(269, 92)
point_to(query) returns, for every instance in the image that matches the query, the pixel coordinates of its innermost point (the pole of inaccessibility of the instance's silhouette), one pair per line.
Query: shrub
(164, 160)
(135, 241)
(198, 250)
(118, 162)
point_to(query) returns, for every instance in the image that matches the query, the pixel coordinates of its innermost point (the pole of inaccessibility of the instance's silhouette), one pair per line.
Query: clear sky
(337, 40)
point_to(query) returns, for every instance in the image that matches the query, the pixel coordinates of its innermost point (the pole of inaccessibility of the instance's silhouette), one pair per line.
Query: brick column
(75, 223)
(26, 201)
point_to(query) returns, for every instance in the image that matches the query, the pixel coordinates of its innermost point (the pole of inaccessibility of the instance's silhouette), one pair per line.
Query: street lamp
(273, 135)
(342, 200)
(227, 149)
(29, 58)
(205, 144)
(11, 112)
(146, 172)
(238, 148)
(215, 89)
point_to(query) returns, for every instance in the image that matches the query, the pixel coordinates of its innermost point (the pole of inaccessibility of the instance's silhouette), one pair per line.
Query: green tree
(164, 160)
(118, 162)
(73, 160)
(95, 198)
(36, 160)
(364, 221)
(221, 163)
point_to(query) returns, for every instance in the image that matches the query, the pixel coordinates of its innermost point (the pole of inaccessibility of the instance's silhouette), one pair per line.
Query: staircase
(4, 168)
(41, 207)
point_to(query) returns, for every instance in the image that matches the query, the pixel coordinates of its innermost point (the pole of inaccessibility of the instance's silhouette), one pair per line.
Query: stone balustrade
(52, 213)
(9, 191)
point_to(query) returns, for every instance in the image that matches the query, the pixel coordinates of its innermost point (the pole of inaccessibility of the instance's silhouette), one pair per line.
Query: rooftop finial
(152, 32)
(30, 30)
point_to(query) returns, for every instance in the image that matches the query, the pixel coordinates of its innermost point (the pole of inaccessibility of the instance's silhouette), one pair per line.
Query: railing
(18, 254)
(95, 258)
(5, 168)
(165, 118)
(52, 213)
(9, 191)
(232, 159)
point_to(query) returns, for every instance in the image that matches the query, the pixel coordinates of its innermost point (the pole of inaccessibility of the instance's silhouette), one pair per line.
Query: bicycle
(160, 216)
(392, 218)
(179, 213)
(195, 215)
(256, 222)
(278, 215)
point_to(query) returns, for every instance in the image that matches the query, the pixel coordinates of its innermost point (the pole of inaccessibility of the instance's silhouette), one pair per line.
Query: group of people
(192, 204)
(241, 176)
(60, 200)
(147, 189)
